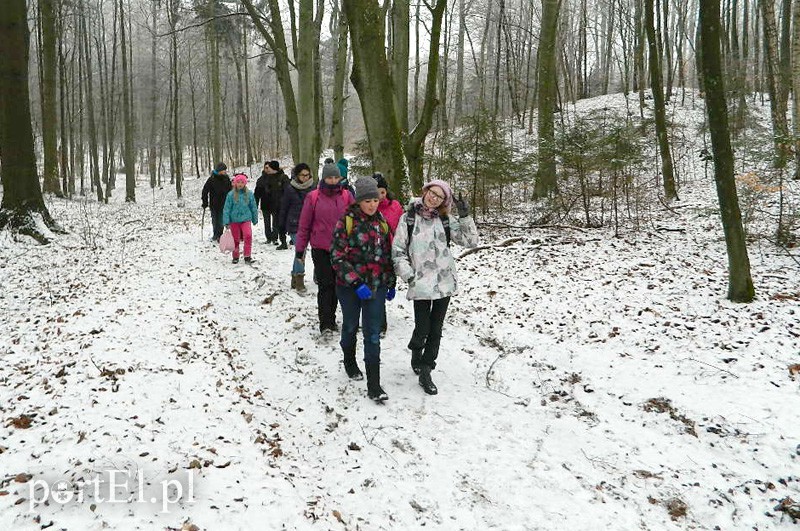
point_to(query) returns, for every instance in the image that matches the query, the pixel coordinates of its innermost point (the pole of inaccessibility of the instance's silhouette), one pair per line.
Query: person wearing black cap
(214, 193)
(269, 193)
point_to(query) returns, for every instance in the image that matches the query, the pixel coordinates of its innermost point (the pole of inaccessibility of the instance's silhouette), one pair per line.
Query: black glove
(463, 206)
(299, 256)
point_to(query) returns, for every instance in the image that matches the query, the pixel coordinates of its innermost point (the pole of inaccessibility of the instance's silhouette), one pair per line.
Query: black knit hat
(220, 167)
(274, 164)
(381, 180)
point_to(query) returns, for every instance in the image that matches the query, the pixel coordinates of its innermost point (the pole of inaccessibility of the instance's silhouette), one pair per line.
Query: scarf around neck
(425, 212)
(330, 189)
(302, 186)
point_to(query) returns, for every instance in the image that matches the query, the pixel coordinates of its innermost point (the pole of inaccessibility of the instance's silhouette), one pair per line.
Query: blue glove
(390, 294)
(363, 292)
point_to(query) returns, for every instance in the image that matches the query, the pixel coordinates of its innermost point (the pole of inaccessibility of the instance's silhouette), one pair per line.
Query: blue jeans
(371, 310)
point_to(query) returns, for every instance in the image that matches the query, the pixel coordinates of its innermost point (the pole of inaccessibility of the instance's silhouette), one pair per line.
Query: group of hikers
(361, 240)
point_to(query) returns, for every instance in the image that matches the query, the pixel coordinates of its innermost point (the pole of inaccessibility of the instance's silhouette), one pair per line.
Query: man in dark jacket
(214, 193)
(268, 194)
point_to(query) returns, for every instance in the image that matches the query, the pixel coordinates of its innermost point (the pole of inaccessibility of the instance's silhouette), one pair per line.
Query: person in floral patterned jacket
(361, 256)
(422, 257)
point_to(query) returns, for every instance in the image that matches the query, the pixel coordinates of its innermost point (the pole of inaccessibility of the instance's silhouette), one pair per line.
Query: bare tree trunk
(277, 43)
(47, 18)
(498, 53)
(658, 104)
(414, 142)
(319, 108)
(248, 124)
(740, 283)
(151, 148)
(306, 85)
(608, 49)
(195, 146)
(546, 183)
(241, 89)
(22, 196)
(339, 32)
(665, 51)
(417, 63)
(638, 53)
(127, 114)
(459, 103)
(785, 77)
(372, 80)
(62, 122)
(400, 25)
(777, 104)
(91, 121)
(795, 55)
(177, 150)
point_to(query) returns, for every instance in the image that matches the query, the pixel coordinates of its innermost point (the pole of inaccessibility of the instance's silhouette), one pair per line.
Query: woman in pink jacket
(322, 209)
(391, 210)
(388, 206)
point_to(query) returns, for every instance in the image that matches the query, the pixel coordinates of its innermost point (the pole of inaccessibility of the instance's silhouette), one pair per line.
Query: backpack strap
(411, 216)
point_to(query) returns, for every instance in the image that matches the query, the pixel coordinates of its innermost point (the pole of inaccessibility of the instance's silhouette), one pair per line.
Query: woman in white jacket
(422, 257)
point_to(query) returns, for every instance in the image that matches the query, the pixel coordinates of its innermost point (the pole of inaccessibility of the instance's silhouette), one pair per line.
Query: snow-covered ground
(586, 382)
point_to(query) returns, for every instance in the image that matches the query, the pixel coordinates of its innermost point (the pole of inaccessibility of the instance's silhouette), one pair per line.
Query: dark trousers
(371, 311)
(216, 223)
(271, 230)
(325, 279)
(428, 323)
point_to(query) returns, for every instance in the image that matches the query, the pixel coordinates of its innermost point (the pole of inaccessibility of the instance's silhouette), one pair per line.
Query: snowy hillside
(585, 382)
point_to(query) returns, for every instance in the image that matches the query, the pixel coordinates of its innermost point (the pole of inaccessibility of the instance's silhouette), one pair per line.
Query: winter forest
(505, 264)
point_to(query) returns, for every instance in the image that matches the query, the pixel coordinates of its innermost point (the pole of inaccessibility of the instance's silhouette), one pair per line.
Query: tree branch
(528, 227)
(203, 23)
(504, 243)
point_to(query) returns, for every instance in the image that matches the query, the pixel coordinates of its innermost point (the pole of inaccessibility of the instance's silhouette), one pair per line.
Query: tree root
(23, 221)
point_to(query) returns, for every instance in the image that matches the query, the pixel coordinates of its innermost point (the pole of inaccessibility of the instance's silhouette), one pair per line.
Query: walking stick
(202, 223)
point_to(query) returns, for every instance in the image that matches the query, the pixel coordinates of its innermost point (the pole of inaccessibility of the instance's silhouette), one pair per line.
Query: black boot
(351, 366)
(425, 380)
(374, 390)
(416, 360)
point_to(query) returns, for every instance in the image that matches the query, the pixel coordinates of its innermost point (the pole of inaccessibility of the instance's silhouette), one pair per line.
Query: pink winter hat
(240, 178)
(448, 193)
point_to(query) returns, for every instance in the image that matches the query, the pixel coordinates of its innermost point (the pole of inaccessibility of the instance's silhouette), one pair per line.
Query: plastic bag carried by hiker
(226, 243)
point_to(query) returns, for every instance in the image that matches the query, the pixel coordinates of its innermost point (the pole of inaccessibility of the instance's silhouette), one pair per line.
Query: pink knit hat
(448, 193)
(240, 178)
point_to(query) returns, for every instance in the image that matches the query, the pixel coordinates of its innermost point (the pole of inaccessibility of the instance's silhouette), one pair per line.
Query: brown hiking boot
(298, 282)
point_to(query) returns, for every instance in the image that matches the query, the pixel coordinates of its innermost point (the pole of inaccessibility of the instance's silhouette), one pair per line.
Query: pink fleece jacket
(391, 210)
(318, 218)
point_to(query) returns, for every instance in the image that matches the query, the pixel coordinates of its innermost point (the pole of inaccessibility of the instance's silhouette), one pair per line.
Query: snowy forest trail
(585, 383)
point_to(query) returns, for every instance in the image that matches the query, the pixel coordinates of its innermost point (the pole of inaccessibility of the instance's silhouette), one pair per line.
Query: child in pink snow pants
(239, 215)
(242, 231)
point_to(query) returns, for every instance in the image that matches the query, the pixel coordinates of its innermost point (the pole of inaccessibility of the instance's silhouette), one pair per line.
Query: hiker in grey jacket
(422, 257)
